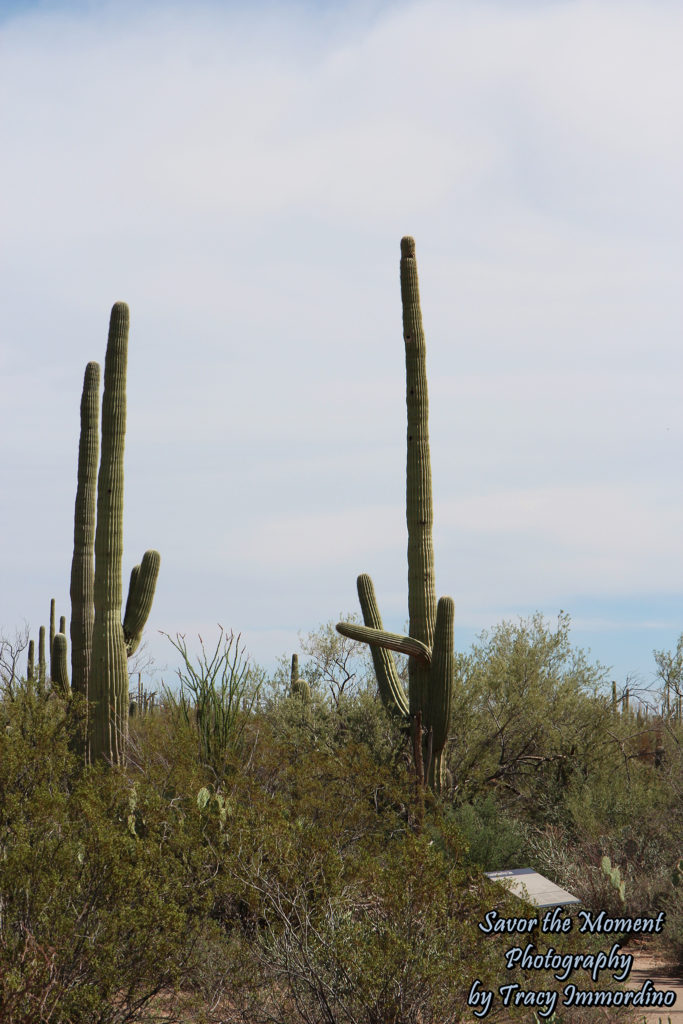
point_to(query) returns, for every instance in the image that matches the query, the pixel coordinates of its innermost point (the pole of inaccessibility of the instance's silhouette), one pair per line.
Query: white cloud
(242, 177)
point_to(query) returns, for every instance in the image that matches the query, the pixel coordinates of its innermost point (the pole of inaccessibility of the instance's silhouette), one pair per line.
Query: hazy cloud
(241, 175)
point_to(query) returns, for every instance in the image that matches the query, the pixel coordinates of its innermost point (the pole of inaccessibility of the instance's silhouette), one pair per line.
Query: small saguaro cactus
(299, 687)
(429, 644)
(52, 623)
(42, 667)
(59, 672)
(31, 668)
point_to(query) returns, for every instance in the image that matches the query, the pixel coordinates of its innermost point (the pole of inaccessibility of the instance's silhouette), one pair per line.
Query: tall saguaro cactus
(429, 645)
(108, 686)
(100, 640)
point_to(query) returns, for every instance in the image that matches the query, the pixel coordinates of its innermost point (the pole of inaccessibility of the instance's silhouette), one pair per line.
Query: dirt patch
(648, 964)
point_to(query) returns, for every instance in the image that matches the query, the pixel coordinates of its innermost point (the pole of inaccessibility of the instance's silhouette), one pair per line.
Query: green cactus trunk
(52, 624)
(429, 645)
(83, 563)
(419, 513)
(31, 668)
(108, 684)
(42, 666)
(298, 686)
(58, 666)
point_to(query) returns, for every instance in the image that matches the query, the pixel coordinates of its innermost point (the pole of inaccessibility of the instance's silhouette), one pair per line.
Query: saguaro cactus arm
(442, 673)
(143, 581)
(391, 691)
(390, 641)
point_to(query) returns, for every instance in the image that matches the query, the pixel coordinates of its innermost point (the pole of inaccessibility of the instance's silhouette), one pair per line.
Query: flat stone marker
(532, 887)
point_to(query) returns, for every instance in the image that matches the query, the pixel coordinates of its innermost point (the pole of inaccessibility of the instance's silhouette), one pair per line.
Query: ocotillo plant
(429, 645)
(100, 640)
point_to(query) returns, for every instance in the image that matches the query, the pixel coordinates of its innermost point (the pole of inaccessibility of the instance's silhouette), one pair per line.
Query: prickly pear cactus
(613, 874)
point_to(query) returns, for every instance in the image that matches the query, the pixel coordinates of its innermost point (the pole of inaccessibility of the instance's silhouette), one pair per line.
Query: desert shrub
(494, 839)
(347, 912)
(673, 934)
(320, 723)
(100, 910)
(529, 714)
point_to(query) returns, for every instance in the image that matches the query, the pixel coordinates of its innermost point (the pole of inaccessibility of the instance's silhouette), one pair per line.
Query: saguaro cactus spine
(429, 645)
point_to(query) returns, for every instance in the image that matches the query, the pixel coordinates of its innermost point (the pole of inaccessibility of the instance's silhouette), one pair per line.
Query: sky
(241, 174)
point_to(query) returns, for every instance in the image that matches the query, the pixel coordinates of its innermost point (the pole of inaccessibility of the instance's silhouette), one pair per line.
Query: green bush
(527, 716)
(494, 839)
(100, 910)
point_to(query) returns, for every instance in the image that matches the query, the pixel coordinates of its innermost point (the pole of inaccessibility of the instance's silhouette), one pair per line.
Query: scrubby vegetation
(262, 856)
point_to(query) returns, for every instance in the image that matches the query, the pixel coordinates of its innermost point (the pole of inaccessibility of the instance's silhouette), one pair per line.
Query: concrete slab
(532, 887)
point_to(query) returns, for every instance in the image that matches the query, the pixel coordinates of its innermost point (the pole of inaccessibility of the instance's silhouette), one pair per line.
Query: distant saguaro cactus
(42, 667)
(299, 687)
(30, 668)
(429, 645)
(58, 668)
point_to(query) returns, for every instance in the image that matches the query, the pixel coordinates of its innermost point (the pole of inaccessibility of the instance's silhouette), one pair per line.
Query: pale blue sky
(241, 175)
